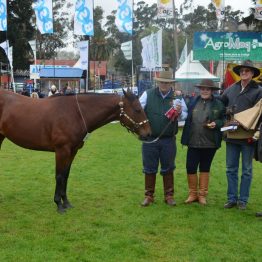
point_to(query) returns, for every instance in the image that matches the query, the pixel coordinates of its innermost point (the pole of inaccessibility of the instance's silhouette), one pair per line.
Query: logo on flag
(165, 9)
(44, 15)
(220, 8)
(84, 19)
(124, 16)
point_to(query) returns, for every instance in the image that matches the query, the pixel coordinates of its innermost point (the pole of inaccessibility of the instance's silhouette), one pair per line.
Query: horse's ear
(124, 92)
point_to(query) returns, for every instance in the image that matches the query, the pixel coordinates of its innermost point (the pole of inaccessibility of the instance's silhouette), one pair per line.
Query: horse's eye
(137, 110)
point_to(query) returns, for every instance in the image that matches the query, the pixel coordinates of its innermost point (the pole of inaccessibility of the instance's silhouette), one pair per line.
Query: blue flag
(83, 19)
(124, 16)
(44, 15)
(3, 15)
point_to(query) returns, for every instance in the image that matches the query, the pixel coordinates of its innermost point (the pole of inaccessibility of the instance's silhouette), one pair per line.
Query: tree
(21, 29)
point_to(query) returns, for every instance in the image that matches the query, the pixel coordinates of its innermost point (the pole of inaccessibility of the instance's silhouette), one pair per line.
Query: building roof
(56, 62)
(61, 73)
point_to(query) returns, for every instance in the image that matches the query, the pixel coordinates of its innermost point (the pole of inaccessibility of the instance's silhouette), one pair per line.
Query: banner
(5, 46)
(10, 56)
(83, 48)
(127, 50)
(32, 44)
(152, 50)
(183, 56)
(220, 8)
(44, 15)
(84, 17)
(258, 10)
(233, 46)
(165, 9)
(124, 16)
(3, 15)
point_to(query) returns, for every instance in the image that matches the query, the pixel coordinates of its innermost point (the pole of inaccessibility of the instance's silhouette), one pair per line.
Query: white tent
(193, 71)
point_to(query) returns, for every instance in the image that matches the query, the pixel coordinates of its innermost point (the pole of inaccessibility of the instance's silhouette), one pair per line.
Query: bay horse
(61, 123)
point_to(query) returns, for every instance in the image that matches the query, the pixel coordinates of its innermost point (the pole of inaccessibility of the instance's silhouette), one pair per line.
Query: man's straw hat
(165, 76)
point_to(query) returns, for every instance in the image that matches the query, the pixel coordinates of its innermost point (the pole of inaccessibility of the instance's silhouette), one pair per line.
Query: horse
(61, 123)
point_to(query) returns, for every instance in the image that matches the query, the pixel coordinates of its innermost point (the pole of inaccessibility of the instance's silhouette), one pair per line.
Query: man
(162, 146)
(240, 96)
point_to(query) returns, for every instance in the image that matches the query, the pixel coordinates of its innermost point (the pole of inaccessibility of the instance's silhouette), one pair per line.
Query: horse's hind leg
(64, 160)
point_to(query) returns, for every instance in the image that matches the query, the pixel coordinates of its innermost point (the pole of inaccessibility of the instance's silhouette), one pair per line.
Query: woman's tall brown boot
(203, 187)
(192, 186)
(150, 182)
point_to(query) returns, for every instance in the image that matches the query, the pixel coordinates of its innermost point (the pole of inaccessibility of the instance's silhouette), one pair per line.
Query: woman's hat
(247, 64)
(208, 83)
(165, 76)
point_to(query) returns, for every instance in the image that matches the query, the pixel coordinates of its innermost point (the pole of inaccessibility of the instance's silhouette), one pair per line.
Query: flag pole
(132, 38)
(175, 39)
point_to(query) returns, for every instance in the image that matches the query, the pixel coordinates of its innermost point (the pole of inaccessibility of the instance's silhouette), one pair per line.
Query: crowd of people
(53, 90)
(204, 117)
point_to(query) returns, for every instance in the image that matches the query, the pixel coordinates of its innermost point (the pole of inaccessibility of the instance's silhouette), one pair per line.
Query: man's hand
(211, 125)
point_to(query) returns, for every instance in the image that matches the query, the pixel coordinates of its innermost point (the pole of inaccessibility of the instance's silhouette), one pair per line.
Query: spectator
(202, 135)
(240, 96)
(53, 90)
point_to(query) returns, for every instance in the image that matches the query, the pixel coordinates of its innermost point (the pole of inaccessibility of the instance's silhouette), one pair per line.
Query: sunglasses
(244, 70)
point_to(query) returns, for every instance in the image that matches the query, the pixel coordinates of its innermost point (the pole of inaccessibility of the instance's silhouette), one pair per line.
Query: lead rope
(156, 139)
(81, 114)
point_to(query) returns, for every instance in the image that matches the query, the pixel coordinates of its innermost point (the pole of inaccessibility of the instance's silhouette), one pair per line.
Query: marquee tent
(193, 71)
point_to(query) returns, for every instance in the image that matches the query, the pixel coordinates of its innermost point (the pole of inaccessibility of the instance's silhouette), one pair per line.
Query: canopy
(193, 71)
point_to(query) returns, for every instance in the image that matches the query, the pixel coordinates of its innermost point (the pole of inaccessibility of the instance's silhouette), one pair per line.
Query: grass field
(106, 187)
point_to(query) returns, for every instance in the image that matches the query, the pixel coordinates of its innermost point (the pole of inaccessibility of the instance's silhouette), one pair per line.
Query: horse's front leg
(64, 158)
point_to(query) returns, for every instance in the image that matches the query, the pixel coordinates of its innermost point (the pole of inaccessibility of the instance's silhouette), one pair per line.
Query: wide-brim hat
(247, 64)
(165, 76)
(207, 83)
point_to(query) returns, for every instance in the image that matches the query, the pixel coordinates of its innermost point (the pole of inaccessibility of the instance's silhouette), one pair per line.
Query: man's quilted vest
(155, 109)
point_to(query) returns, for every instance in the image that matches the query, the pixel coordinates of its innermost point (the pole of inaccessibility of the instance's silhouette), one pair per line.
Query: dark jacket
(232, 96)
(242, 101)
(216, 114)
(155, 110)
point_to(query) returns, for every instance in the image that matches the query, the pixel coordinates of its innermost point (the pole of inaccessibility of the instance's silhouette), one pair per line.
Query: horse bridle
(124, 114)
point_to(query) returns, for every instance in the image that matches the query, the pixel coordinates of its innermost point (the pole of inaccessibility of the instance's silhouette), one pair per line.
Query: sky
(242, 5)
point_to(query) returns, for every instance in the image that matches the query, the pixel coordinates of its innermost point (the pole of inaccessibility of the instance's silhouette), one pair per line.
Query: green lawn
(106, 187)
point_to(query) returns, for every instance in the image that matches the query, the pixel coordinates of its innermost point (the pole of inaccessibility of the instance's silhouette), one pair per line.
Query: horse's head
(132, 115)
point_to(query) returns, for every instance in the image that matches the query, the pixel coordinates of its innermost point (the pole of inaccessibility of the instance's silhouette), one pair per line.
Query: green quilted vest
(155, 109)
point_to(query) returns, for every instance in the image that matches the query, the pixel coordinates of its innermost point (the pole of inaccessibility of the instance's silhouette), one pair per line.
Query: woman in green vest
(203, 137)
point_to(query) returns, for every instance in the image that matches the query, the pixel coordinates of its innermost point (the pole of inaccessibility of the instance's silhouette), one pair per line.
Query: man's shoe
(230, 204)
(147, 201)
(242, 206)
(170, 201)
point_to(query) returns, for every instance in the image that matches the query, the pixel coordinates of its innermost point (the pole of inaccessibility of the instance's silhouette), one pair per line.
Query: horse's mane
(129, 95)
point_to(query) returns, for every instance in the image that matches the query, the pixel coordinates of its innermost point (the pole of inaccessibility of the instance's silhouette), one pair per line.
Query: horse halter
(135, 124)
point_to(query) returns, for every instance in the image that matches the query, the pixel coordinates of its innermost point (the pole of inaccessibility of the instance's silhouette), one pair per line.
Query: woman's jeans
(233, 152)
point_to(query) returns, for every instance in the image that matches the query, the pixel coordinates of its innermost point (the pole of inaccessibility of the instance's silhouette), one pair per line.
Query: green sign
(233, 46)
